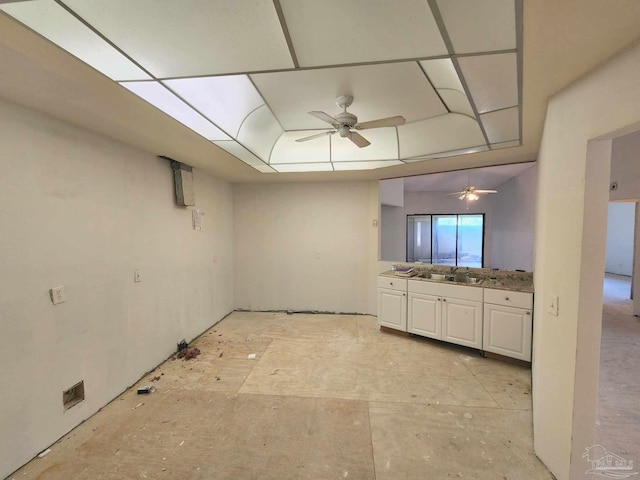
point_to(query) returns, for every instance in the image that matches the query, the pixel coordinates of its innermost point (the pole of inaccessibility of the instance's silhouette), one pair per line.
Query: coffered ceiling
(230, 84)
(245, 74)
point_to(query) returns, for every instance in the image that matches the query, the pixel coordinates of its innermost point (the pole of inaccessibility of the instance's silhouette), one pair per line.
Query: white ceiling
(482, 178)
(248, 72)
(558, 46)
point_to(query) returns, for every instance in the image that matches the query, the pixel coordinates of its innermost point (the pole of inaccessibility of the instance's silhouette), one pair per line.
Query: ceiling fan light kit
(471, 193)
(344, 122)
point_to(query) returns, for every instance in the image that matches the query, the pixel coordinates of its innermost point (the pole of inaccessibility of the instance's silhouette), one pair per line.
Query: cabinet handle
(439, 299)
(391, 283)
(528, 313)
(444, 299)
(404, 294)
(506, 298)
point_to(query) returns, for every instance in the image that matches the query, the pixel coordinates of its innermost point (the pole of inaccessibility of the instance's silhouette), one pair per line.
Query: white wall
(513, 223)
(306, 246)
(571, 209)
(82, 211)
(620, 231)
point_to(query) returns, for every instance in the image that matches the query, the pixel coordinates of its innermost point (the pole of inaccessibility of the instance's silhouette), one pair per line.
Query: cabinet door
(462, 322)
(392, 309)
(507, 331)
(423, 315)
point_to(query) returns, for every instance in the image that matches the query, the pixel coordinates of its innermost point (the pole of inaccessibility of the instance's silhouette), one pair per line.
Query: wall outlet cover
(57, 295)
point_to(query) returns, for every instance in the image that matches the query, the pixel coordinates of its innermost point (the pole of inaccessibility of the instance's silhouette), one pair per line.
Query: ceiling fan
(344, 122)
(471, 193)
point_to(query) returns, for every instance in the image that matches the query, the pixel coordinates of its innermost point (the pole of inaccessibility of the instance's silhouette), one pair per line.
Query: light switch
(137, 276)
(552, 305)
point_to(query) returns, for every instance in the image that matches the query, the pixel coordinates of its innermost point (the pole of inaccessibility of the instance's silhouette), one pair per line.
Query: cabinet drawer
(392, 283)
(508, 298)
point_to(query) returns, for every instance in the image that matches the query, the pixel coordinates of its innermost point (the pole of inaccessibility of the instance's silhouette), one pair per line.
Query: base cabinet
(508, 323)
(424, 314)
(392, 303)
(507, 331)
(451, 313)
(462, 322)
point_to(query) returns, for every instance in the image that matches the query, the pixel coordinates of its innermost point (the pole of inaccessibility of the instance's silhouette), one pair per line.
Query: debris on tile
(181, 443)
(468, 416)
(188, 353)
(155, 379)
(45, 453)
(220, 356)
(146, 389)
(182, 344)
(251, 356)
(217, 378)
(138, 405)
(274, 371)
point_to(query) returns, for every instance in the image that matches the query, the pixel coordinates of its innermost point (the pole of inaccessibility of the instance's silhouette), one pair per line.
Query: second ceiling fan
(345, 122)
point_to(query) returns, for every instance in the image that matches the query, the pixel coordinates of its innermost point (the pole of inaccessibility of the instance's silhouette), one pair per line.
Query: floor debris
(188, 353)
(45, 453)
(251, 356)
(146, 389)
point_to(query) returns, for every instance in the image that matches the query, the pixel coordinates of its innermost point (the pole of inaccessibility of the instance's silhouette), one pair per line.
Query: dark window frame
(457, 215)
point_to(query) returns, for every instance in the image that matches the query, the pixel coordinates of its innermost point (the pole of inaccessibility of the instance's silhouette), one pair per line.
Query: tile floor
(618, 424)
(327, 397)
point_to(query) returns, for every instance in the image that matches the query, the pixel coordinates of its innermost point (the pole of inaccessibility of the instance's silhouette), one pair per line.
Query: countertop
(503, 281)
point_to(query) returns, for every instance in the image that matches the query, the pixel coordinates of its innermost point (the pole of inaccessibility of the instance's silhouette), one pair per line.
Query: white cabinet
(424, 313)
(508, 323)
(447, 312)
(462, 322)
(392, 303)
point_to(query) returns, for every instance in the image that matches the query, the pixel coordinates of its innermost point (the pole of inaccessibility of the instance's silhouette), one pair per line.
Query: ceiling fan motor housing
(346, 118)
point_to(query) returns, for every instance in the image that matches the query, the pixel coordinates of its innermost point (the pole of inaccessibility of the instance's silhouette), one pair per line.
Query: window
(456, 240)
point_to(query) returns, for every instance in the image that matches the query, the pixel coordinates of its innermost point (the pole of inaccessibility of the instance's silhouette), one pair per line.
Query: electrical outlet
(137, 276)
(57, 295)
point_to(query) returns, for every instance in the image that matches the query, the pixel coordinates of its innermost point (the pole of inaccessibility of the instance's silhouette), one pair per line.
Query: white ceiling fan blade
(455, 193)
(358, 139)
(462, 197)
(381, 122)
(317, 135)
(326, 118)
(485, 191)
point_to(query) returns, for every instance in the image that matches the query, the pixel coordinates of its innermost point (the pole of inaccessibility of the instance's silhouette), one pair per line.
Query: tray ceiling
(244, 74)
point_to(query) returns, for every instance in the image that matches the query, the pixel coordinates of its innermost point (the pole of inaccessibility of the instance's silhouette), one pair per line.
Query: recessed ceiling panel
(379, 91)
(342, 166)
(56, 24)
(442, 73)
(335, 32)
(501, 126)
(456, 101)
(441, 134)
(492, 80)
(259, 132)
(262, 168)
(452, 153)
(511, 144)
(161, 98)
(198, 37)
(287, 150)
(384, 146)
(303, 167)
(479, 26)
(225, 100)
(238, 151)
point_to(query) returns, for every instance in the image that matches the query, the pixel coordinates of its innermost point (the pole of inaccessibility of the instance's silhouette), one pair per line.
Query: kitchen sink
(453, 278)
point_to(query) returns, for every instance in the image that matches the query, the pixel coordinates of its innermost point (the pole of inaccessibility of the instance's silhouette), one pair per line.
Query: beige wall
(79, 210)
(571, 208)
(306, 246)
